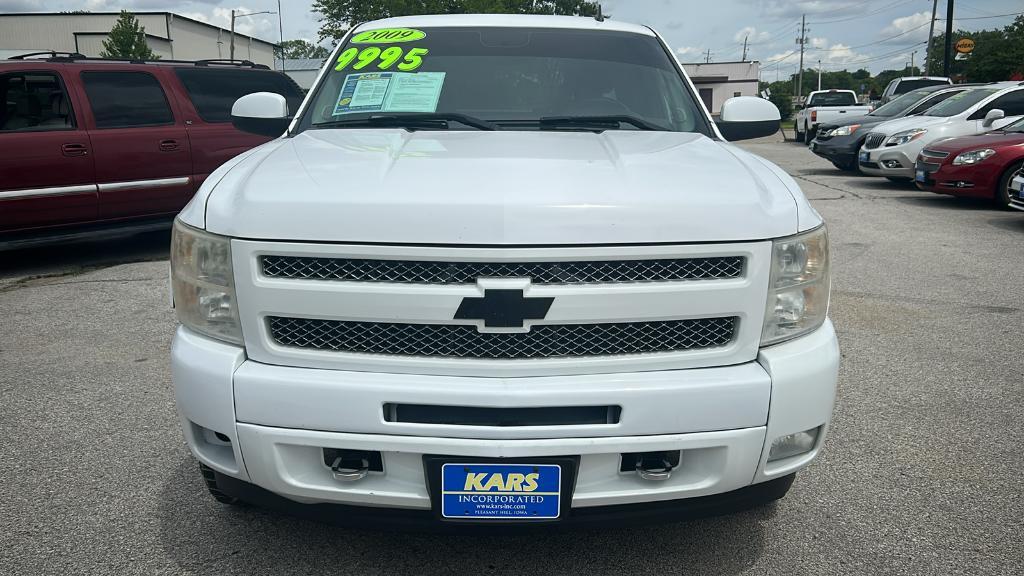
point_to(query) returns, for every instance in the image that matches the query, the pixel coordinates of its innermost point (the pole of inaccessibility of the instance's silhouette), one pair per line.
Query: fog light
(793, 444)
(892, 164)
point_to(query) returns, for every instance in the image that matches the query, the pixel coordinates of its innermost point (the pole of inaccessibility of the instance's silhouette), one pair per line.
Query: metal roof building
(169, 35)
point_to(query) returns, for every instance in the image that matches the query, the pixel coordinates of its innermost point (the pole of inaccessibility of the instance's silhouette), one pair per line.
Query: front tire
(798, 135)
(1002, 196)
(210, 477)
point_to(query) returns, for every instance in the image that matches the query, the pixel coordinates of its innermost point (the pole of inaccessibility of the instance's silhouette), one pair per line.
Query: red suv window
(214, 91)
(126, 99)
(34, 101)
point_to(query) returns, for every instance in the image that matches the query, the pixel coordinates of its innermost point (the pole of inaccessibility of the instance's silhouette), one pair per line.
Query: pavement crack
(830, 187)
(964, 305)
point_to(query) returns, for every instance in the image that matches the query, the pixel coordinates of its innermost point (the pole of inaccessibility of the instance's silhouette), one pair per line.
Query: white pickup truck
(502, 269)
(824, 107)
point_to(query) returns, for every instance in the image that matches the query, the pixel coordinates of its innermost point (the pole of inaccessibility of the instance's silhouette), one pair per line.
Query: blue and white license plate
(1018, 184)
(864, 157)
(921, 176)
(501, 491)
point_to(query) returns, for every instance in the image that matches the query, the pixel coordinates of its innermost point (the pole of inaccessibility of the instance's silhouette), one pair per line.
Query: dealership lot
(921, 474)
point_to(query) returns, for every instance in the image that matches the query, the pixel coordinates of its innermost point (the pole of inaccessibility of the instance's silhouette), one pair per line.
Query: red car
(89, 144)
(980, 166)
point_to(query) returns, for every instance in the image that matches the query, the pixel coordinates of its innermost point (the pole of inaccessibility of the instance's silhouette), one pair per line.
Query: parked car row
(962, 140)
(92, 142)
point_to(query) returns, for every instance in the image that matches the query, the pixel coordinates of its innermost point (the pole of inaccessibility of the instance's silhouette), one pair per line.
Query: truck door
(46, 175)
(141, 149)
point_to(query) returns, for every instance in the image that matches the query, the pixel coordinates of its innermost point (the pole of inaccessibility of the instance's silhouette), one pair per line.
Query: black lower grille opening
(632, 460)
(462, 341)
(354, 458)
(502, 417)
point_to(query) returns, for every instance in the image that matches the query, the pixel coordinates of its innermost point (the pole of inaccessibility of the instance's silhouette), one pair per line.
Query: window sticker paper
(390, 92)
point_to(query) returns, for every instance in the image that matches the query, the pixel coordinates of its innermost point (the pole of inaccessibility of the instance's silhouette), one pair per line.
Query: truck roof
(506, 21)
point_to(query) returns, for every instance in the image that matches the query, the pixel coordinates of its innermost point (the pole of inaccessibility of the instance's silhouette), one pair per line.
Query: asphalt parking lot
(921, 474)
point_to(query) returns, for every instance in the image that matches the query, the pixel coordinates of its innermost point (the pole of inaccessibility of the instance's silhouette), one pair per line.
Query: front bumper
(878, 162)
(268, 425)
(963, 181)
(839, 149)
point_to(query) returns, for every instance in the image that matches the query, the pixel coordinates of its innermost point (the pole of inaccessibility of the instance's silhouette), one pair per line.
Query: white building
(302, 70)
(718, 81)
(171, 36)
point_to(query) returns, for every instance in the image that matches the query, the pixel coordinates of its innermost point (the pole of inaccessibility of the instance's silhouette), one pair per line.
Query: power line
(987, 17)
(879, 11)
(883, 40)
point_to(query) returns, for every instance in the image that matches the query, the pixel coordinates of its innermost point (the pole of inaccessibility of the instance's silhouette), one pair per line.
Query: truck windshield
(960, 102)
(905, 86)
(833, 99)
(901, 104)
(468, 78)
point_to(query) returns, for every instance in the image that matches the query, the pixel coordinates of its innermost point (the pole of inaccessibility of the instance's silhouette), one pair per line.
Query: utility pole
(744, 59)
(912, 54)
(819, 74)
(802, 41)
(707, 57)
(946, 54)
(928, 58)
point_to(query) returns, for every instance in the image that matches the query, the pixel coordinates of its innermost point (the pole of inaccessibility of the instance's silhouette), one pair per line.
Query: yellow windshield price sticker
(388, 36)
(386, 59)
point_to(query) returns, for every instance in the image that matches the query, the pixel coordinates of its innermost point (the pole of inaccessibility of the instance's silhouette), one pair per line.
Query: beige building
(718, 81)
(170, 35)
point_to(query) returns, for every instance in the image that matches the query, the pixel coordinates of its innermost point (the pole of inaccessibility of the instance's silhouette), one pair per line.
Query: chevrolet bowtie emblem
(503, 308)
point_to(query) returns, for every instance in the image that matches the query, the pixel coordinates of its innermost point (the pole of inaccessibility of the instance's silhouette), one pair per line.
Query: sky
(851, 34)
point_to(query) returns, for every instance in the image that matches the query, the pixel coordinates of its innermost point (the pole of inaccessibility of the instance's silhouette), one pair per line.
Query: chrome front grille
(874, 140)
(463, 341)
(933, 156)
(434, 272)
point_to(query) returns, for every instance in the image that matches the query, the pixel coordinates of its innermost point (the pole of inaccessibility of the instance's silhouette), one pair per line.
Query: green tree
(127, 39)
(998, 54)
(302, 49)
(336, 16)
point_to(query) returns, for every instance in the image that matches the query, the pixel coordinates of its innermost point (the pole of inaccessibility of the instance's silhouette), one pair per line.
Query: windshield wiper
(612, 121)
(420, 120)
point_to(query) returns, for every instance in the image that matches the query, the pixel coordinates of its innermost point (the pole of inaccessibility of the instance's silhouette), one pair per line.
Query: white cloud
(912, 27)
(688, 51)
(751, 34)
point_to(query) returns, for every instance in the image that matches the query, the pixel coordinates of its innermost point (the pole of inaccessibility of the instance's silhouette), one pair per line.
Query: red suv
(96, 143)
(980, 166)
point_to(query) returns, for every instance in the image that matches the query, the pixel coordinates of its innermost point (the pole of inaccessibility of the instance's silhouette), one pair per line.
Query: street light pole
(819, 75)
(234, 15)
(281, 29)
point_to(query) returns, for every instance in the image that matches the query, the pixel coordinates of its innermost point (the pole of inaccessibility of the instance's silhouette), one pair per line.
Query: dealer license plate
(501, 491)
(864, 156)
(921, 176)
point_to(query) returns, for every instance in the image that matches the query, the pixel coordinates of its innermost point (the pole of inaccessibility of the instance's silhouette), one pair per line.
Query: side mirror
(992, 116)
(746, 117)
(263, 113)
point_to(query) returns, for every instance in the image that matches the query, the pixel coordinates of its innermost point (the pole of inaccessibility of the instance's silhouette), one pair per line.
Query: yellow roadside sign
(965, 46)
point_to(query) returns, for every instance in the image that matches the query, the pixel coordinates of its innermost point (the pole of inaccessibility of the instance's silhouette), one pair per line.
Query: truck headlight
(905, 136)
(798, 292)
(973, 157)
(843, 130)
(202, 283)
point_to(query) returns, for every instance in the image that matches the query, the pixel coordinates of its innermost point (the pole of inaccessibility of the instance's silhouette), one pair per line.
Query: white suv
(502, 269)
(891, 148)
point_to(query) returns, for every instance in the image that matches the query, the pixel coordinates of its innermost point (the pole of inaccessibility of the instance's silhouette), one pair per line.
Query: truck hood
(502, 188)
